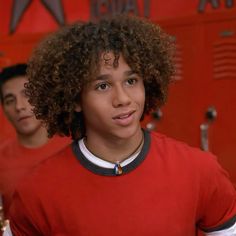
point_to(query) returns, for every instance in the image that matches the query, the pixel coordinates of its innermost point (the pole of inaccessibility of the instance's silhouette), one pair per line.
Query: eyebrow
(107, 76)
(11, 95)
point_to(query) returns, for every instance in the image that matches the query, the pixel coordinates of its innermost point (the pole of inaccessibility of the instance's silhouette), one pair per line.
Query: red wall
(206, 52)
(206, 44)
(37, 19)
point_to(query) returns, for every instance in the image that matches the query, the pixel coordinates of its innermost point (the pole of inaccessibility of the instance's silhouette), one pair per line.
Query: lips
(123, 115)
(24, 118)
(124, 119)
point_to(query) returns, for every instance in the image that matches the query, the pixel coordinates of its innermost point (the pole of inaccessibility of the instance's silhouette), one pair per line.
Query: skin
(112, 106)
(18, 111)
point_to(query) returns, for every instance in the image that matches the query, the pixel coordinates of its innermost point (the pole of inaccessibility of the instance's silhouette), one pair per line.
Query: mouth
(24, 118)
(123, 116)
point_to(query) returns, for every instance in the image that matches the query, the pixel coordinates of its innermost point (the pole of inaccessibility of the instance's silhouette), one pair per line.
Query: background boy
(31, 146)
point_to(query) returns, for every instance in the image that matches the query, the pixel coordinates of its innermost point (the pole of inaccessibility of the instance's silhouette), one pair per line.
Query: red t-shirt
(169, 189)
(18, 162)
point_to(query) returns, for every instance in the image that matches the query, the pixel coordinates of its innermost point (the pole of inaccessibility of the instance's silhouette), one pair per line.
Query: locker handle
(156, 116)
(210, 116)
(227, 33)
(204, 137)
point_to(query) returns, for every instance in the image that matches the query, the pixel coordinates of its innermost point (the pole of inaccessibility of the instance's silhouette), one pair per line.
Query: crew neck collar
(89, 161)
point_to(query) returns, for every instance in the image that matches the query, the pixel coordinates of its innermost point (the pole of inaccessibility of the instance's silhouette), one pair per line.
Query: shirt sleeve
(231, 231)
(21, 218)
(217, 199)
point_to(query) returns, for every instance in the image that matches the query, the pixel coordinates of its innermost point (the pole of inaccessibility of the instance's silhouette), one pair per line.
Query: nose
(121, 97)
(21, 103)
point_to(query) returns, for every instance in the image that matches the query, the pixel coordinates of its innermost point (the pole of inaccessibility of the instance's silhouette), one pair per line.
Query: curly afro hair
(68, 59)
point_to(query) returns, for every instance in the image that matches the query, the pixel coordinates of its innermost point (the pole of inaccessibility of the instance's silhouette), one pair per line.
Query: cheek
(95, 115)
(9, 113)
(99, 112)
(94, 107)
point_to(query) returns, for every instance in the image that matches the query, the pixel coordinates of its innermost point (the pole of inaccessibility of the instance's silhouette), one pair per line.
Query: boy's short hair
(11, 72)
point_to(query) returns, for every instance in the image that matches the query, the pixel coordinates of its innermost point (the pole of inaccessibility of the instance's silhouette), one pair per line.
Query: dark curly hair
(9, 73)
(68, 59)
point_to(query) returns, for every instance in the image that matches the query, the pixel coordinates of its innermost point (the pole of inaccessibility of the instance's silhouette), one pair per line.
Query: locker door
(219, 67)
(205, 78)
(179, 118)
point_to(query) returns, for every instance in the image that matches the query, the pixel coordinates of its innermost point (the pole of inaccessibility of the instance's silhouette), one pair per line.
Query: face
(17, 108)
(113, 102)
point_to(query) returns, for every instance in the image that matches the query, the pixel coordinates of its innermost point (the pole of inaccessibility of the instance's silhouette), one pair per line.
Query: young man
(94, 82)
(20, 156)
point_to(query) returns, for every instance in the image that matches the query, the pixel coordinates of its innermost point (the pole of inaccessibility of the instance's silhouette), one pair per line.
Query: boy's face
(113, 103)
(17, 108)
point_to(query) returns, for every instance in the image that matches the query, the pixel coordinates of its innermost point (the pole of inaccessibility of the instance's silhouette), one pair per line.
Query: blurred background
(201, 108)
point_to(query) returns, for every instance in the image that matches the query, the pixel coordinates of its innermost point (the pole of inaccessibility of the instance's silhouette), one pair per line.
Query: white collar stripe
(102, 163)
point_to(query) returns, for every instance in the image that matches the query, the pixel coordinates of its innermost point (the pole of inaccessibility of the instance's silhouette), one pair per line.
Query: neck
(115, 151)
(34, 140)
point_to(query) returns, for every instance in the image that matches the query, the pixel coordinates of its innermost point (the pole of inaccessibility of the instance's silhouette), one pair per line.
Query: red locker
(205, 78)
(220, 85)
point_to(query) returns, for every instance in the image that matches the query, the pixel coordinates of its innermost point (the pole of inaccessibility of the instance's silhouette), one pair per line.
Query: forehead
(14, 85)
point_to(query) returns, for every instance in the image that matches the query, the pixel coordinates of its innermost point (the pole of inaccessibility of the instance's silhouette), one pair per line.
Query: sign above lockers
(37, 16)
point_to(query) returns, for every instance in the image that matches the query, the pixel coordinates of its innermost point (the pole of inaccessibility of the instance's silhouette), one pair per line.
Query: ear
(78, 107)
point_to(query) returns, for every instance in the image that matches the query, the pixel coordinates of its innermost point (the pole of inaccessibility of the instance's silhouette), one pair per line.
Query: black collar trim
(107, 171)
(224, 226)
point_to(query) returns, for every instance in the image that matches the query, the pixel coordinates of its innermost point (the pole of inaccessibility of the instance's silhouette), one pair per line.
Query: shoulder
(185, 157)
(7, 143)
(59, 140)
(211, 183)
(178, 149)
(7, 150)
(181, 157)
(50, 169)
(54, 145)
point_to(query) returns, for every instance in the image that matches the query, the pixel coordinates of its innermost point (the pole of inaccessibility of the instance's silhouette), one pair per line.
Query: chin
(128, 132)
(27, 132)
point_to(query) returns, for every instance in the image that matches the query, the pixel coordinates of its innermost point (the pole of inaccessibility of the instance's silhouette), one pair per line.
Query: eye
(102, 86)
(9, 101)
(131, 81)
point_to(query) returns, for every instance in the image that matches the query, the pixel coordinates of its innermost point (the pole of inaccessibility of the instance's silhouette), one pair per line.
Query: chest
(138, 204)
